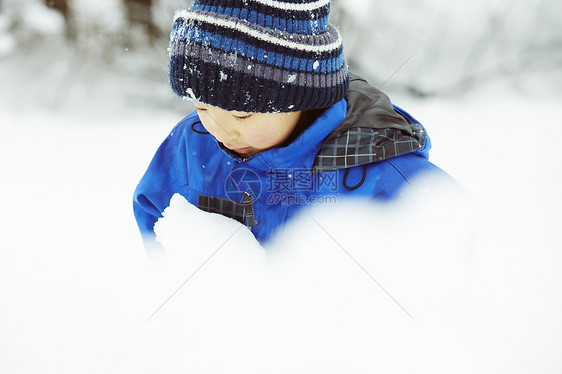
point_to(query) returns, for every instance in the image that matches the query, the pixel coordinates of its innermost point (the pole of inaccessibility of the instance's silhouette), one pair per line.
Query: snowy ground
(77, 291)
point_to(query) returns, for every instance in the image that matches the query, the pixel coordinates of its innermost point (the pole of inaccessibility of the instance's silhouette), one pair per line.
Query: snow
(190, 95)
(43, 20)
(304, 285)
(7, 44)
(480, 276)
(441, 51)
(77, 290)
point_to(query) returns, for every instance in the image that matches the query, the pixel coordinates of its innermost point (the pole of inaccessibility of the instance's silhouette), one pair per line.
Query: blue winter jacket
(362, 146)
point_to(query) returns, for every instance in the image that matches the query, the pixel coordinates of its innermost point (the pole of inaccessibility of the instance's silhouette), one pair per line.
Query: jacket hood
(373, 130)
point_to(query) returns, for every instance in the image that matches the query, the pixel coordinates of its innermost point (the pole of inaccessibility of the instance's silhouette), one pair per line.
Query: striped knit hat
(260, 56)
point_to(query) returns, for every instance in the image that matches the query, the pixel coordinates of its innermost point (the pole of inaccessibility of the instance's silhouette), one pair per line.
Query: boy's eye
(243, 116)
(200, 109)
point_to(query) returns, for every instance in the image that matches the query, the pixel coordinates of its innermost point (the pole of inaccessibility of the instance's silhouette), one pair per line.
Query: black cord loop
(358, 184)
(197, 131)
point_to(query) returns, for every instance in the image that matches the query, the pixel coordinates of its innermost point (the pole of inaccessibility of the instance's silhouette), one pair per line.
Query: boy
(279, 121)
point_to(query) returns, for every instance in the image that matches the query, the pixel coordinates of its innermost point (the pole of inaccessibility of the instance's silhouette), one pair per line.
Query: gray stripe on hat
(247, 66)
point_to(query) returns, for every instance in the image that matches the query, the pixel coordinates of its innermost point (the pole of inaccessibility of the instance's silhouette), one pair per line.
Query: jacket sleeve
(154, 191)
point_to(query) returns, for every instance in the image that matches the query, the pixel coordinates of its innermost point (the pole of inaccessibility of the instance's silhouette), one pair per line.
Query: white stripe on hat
(187, 14)
(294, 6)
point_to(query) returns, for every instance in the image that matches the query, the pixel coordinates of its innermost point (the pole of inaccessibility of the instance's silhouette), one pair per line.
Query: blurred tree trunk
(63, 8)
(139, 12)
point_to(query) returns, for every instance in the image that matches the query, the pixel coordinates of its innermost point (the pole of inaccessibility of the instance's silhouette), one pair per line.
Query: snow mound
(191, 235)
(334, 295)
(184, 227)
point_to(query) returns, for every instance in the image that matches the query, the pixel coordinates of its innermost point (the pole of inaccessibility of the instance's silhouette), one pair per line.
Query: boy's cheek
(256, 138)
(264, 143)
(270, 137)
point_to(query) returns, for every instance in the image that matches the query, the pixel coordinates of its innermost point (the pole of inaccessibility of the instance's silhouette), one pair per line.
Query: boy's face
(247, 133)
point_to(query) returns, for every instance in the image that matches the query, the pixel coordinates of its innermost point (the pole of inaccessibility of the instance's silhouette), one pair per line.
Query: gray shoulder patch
(360, 145)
